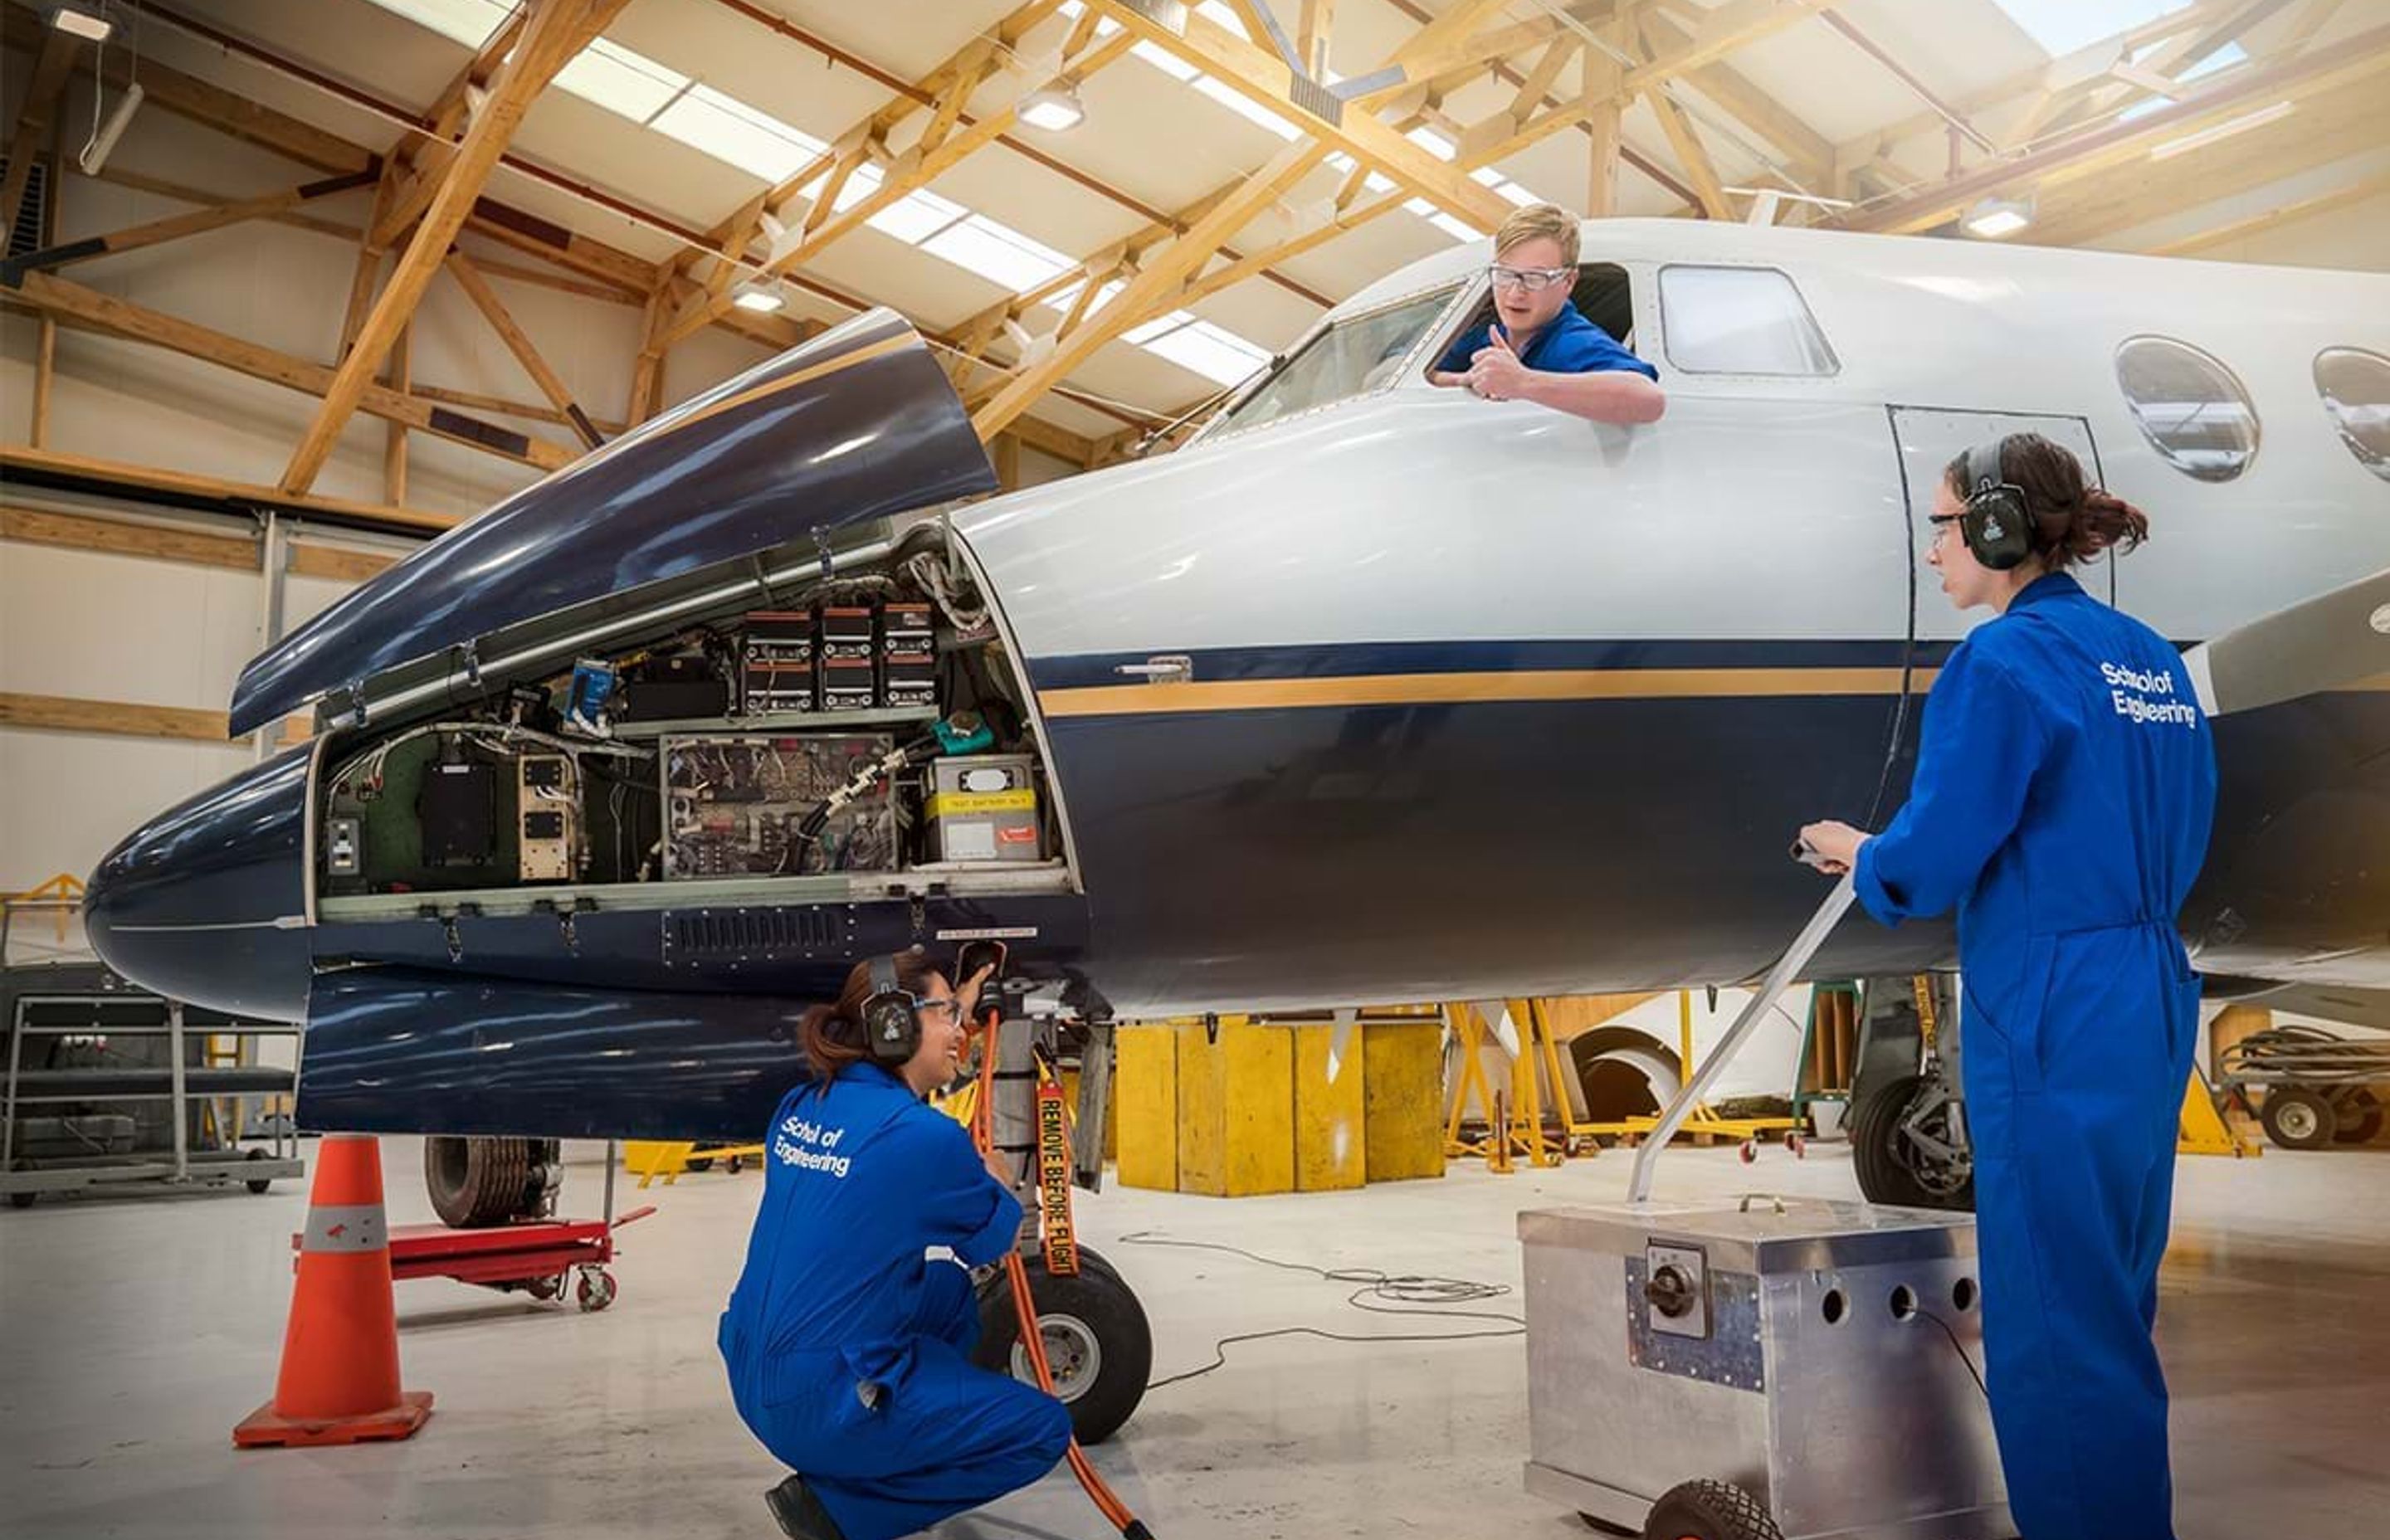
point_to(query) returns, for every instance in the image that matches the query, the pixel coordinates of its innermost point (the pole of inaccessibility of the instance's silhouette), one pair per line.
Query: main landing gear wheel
(1098, 1344)
(1893, 1166)
(2296, 1118)
(476, 1182)
(1709, 1510)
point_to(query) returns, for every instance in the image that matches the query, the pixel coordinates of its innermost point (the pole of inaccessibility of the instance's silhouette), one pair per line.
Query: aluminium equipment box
(1794, 1348)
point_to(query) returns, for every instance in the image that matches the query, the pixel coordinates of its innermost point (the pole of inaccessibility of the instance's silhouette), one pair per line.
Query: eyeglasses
(1940, 523)
(1532, 279)
(951, 1005)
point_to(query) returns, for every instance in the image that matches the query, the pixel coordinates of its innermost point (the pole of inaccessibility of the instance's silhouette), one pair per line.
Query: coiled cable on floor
(1395, 1293)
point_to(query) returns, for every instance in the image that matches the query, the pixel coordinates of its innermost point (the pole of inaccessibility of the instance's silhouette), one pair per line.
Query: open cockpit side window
(1353, 356)
(1601, 294)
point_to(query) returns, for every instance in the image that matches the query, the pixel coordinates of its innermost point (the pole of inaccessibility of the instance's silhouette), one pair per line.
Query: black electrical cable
(1961, 1349)
(1409, 1293)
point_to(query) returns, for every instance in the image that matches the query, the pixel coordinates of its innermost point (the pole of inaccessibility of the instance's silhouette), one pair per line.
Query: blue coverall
(848, 1338)
(2063, 791)
(1568, 344)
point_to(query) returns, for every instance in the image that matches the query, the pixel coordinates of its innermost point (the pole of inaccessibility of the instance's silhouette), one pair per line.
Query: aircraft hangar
(703, 700)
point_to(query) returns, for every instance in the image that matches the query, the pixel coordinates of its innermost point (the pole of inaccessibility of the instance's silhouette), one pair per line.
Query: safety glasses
(1532, 280)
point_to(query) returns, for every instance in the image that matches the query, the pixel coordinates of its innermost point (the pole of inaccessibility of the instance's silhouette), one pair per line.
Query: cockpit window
(1356, 355)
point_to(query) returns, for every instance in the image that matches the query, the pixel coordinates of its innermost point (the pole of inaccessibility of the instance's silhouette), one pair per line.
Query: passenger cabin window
(1356, 355)
(2354, 385)
(1740, 320)
(2192, 409)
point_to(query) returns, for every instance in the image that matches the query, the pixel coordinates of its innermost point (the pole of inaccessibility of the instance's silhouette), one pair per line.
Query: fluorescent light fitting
(2224, 130)
(82, 20)
(1055, 108)
(759, 298)
(103, 144)
(1996, 218)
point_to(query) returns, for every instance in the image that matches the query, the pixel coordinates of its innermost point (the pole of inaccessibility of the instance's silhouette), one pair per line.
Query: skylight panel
(469, 22)
(1001, 255)
(731, 131)
(1219, 356)
(1064, 299)
(1419, 206)
(861, 184)
(620, 80)
(915, 217)
(1167, 62)
(1458, 229)
(1252, 111)
(1431, 141)
(1147, 331)
(2062, 26)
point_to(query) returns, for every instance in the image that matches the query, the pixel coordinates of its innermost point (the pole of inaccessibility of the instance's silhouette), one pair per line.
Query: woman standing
(848, 1338)
(2063, 791)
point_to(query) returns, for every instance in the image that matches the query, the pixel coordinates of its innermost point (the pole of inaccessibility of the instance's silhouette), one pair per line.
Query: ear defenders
(892, 1016)
(1996, 525)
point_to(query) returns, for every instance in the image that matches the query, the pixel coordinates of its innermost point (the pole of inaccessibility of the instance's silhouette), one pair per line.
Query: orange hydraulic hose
(1024, 1308)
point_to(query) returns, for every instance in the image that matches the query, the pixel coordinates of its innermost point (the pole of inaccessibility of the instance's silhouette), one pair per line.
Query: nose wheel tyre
(1098, 1344)
(1906, 1150)
(1709, 1510)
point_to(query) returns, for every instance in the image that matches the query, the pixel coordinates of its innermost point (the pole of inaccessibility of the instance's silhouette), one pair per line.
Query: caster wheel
(1709, 1510)
(2359, 1118)
(1798, 1146)
(1750, 1152)
(544, 1290)
(736, 1163)
(597, 1289)
(2296, 1118)
(258, 1184)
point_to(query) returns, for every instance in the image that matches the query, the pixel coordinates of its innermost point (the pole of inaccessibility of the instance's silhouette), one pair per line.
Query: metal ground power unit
(1806, 1352)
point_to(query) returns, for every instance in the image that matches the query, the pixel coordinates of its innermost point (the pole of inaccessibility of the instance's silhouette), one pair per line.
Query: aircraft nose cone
(206, 903)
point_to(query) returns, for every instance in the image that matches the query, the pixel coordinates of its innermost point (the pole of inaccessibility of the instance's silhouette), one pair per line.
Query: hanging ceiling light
(85, 18)
(1996, 218)
(760, 297)
(1054, 108)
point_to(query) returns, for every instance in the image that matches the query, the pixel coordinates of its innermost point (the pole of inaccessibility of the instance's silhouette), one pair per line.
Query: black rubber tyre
(1709, 1510)
(698, 1162)
(259, 1184)
(476, 1183)
(1095, 1309)
(2360, 1117)
(1885, 1175)
(2296, 1118)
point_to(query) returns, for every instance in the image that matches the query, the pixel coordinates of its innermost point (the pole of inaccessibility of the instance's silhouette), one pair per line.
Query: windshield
(1352, 358)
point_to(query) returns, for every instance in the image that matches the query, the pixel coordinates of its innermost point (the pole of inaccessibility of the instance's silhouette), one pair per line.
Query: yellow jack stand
(649, 1159)
(2203, 1130)
(1512, 1127)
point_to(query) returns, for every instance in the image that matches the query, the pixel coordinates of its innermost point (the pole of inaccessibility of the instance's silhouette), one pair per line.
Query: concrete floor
(134, 1333)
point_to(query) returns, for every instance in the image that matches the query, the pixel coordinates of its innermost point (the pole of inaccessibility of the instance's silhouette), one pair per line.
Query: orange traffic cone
(339, 1357)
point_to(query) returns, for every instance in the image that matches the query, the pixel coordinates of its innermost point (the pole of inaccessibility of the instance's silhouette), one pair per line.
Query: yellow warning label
(959, 804)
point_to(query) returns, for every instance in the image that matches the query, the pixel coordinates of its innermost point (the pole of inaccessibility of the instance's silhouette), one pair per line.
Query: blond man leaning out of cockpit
(1539, 347)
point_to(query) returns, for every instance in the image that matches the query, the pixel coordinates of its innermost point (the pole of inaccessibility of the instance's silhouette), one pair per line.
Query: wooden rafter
(51, 72)
(1811, 154)
(826, 223)
(2274, 214)
(23, 464)
(63, 297)
(1262, 77)
(158, 232)
(1162, 278)
(494, 310)
(422, 161)
(2084, 154)
(558, 29)
(2346, 121)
